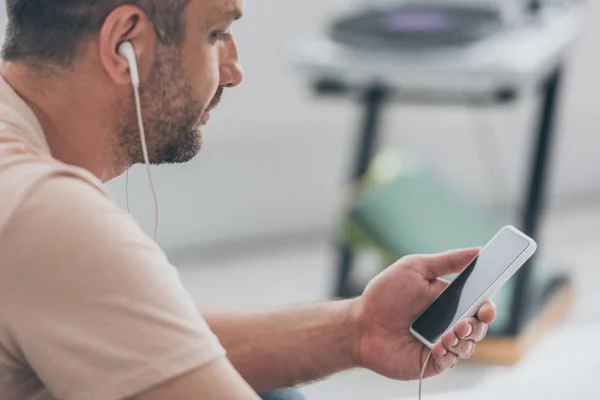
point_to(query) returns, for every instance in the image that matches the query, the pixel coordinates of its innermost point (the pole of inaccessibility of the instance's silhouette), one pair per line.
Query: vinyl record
(418, 26)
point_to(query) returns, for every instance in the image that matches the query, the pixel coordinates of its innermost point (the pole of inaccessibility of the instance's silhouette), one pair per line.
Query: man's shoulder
(58, 212)
(26, 174)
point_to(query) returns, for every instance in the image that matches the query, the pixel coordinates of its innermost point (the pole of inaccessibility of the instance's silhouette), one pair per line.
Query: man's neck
(71, 119)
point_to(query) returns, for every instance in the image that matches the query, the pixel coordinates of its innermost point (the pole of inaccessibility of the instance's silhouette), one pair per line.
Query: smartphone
(497, 262)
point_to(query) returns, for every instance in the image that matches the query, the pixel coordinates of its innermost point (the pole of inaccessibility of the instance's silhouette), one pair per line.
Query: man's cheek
(206, 85)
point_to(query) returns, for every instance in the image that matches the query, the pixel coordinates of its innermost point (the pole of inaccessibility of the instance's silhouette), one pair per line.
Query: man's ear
(127, 23)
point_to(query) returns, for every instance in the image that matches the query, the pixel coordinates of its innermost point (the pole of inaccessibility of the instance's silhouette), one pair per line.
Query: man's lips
(206, 117)
(214, 104)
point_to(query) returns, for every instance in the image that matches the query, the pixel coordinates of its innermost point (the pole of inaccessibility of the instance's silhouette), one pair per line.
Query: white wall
(275, 157)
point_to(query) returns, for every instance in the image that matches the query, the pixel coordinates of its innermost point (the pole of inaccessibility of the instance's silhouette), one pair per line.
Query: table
(524, 58)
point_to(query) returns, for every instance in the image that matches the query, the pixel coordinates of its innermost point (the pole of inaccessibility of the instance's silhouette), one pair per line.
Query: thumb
(452, 262)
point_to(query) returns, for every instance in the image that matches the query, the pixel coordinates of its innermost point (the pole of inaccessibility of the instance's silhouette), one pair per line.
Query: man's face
(186, 82)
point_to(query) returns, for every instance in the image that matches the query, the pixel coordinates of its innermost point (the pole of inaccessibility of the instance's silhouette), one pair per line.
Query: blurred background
(255, 220)
(275, 156)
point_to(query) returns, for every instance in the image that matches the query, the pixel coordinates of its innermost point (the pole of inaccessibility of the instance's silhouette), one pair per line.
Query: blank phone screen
(470, 285)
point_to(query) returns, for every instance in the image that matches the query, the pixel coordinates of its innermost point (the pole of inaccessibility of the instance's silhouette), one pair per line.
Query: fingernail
(456, 341)
(469, 331)
(444, 353)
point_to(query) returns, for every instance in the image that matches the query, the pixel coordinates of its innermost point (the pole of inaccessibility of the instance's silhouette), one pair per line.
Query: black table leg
(372, 101)
(522, 303)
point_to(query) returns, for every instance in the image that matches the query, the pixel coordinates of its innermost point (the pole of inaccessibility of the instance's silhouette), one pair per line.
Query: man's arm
(288, 347)
(284, 348)
(217, 381)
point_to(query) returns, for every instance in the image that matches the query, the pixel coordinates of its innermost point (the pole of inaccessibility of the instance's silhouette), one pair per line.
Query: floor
(302, 271)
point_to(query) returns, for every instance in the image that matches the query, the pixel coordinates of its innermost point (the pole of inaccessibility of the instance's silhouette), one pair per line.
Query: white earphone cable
(127, 191)
(138, 107)
(423, 374)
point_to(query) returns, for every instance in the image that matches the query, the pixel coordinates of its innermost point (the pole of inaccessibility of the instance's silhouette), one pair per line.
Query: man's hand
(391, 303)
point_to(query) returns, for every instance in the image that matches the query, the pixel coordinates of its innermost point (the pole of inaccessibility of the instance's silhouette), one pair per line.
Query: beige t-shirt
(90, 308)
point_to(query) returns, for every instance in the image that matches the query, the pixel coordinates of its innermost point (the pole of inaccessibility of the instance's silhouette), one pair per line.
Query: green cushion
(402, 209)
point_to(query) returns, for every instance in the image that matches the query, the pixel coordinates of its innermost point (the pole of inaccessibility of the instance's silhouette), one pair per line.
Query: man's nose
(232, 73)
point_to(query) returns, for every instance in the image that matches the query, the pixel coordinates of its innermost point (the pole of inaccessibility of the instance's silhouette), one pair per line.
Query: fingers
(461, 348)
(443, 359)
(487, 313)
(461, 342)
(447, 263)
(471, 329)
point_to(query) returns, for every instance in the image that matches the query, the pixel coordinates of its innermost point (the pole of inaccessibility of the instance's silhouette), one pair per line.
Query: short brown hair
(52, 30)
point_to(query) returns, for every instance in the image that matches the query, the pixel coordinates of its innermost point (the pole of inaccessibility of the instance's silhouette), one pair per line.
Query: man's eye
(220, 36)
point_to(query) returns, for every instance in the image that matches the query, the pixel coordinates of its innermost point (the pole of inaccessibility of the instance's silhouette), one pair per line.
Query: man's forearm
(288, 347)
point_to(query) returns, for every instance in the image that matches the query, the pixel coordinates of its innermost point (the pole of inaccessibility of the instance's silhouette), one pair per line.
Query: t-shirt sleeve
(96, 310)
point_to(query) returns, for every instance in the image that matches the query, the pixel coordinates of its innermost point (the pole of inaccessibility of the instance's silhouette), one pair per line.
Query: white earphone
(127, 51)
